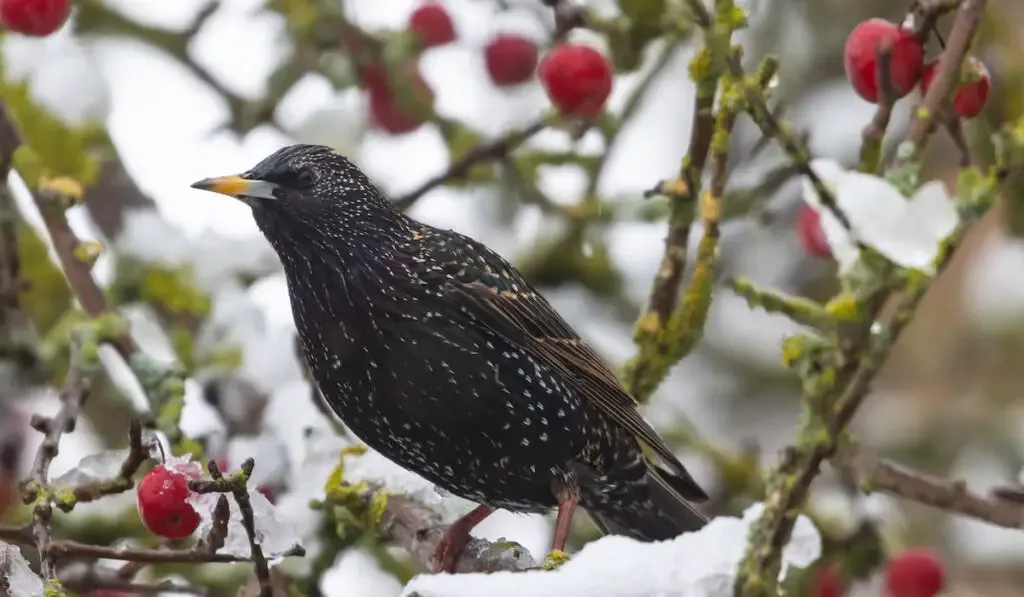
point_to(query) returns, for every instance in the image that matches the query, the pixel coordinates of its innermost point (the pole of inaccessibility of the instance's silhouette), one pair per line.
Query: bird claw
(446, 554)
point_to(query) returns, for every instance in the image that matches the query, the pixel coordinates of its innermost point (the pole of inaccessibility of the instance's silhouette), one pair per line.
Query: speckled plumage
(437, 353)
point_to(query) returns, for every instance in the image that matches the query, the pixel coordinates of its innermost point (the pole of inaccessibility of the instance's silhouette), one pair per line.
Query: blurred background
(141, 98)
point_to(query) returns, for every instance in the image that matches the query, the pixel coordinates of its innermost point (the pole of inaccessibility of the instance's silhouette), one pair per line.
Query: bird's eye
(307, 178)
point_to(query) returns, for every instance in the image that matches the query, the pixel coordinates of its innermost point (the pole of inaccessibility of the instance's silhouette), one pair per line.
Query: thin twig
(874, 133)
(237, 485)
(928, 115)
(490, 150)
(73, 396)
(877, 474)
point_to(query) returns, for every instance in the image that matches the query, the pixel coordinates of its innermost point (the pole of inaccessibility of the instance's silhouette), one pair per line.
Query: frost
(700, 564)
(907, 231)
(273, 533)
(94, 467)
(21, 581)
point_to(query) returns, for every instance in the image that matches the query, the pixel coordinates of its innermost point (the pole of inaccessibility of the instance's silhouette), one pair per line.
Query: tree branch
(876, 474)
(417, 529)
(490, 150)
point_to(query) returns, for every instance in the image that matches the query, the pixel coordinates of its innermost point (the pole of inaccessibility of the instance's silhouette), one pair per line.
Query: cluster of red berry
(38, 18)
(913, 573)
(577, 78)
(907, 66)
(907, 69)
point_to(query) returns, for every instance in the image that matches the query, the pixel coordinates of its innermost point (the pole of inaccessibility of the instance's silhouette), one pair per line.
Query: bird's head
(304, 182)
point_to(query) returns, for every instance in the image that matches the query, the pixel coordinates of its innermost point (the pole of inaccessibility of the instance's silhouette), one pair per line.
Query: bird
(437, 353)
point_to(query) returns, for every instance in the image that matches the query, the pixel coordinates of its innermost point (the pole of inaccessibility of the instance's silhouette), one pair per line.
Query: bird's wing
(525, 318)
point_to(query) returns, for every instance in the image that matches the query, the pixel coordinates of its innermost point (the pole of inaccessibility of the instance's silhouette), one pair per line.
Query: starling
(437, 353)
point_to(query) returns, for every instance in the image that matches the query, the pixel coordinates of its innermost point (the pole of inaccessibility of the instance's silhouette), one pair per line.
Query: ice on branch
(908, 231)
(94, 467)
(21, 581)
(273, 533)
(700, 564)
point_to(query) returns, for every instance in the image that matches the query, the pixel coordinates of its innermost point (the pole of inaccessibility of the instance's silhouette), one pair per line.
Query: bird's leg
(455, 537)
(567, 501)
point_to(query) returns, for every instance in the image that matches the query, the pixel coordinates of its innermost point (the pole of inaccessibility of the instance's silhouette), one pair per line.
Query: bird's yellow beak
(238, 187)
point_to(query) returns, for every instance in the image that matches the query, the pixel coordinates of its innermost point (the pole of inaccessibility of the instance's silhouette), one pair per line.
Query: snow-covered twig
(236, 485)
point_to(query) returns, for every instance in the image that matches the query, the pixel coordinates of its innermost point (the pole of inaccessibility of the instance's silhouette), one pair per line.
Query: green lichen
(378, 504)
(555, 560)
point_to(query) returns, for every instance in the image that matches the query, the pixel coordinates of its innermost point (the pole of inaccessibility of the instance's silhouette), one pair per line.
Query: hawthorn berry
(163, 500)
(510, 59)
(812, 237)
(38, 18)
(386, 111)
(860, 58)
(432, 24)
(971, 95)
(914, 573)
(828, 582)
(578, 80)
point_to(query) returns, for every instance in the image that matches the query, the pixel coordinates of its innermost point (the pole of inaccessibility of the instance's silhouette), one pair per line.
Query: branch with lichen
(669, 328)
(350, 511)
(838, 372)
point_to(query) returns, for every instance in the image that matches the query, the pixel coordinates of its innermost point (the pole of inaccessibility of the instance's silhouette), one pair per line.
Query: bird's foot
(446, 554)
(455, 538)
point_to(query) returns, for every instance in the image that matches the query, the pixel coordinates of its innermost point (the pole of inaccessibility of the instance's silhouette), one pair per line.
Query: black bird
(438, 354)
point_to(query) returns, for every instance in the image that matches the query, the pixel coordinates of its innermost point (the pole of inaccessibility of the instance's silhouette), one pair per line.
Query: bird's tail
(672, 514)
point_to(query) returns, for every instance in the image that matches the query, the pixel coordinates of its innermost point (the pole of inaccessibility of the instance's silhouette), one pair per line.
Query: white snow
(907, 231)
(700, 564)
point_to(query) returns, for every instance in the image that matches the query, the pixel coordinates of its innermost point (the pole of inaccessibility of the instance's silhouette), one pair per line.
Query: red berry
(578, 80)
(387, 113)
(861, 61)
(163, 500)
(812, 237)
(510, 59)
(914, 573)
(828, 582)
(34, 17)
(432, 24)
(971, 95)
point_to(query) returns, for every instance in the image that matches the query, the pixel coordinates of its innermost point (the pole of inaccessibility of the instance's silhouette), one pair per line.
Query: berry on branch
(432, 24)
(809, 232)
(860, 58)
(163, 497)
(971, 94)
(914, 573)
(510, 59)
(578, 80)
(388, 112)
(828, 582)
(38, 18)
